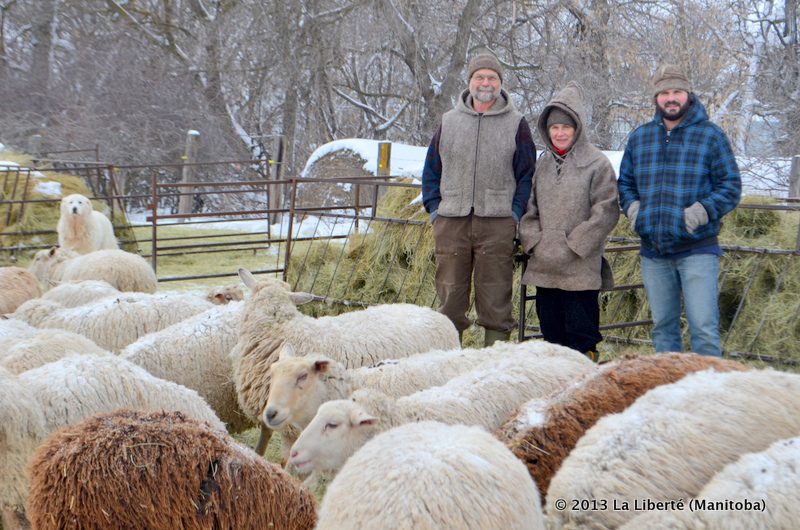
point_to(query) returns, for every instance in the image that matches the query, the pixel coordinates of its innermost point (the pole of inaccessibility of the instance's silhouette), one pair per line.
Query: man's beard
(484, 96)
(675, 115)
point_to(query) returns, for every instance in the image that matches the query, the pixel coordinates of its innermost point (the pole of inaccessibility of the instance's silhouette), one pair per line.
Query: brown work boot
(592, 355)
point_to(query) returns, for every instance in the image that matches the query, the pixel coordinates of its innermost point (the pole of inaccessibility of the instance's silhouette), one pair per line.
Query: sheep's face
(338, 430)
(296, 391)
(225, 295)
(45, 261)
(75, 205)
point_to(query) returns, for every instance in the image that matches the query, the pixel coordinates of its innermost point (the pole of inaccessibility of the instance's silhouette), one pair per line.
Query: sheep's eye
(331, 426)
(301, 378)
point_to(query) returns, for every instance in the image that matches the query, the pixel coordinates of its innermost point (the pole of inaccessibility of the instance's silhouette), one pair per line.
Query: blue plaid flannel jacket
(668, 171)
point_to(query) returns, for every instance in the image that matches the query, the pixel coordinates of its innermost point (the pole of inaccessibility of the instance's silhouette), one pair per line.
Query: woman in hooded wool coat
(572, 208)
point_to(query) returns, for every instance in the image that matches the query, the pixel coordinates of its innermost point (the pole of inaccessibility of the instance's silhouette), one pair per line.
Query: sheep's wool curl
(671, 441)
(73, 294)
(194, 353)
(22, 427)
(426, 476)
(45, 347)
(543, 432)
(122, 270)
(159, 470)
(16, 286)
(772, 476)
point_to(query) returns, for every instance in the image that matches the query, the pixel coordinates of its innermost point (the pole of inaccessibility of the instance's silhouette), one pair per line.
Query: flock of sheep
(117, 403)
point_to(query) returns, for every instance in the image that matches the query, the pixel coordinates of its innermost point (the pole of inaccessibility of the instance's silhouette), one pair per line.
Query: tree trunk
(42, 32)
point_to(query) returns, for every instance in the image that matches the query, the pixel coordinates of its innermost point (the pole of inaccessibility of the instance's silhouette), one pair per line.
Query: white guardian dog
(82, 229)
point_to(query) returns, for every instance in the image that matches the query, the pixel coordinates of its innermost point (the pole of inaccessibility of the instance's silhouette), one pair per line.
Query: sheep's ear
(247, 278)
(287, 351)
(321, 366)
(301, 298)
(361, 418)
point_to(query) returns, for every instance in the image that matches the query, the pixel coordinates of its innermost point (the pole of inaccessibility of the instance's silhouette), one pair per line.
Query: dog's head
(75, 204)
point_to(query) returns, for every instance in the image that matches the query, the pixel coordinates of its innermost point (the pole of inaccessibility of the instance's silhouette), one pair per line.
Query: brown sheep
(159, 470)
(16, 286)
(544, 432)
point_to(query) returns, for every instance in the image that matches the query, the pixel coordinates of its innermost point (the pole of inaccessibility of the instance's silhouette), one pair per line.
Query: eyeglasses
(481, 78)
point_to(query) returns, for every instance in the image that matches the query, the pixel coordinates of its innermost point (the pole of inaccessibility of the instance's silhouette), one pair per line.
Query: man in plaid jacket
(678, 178)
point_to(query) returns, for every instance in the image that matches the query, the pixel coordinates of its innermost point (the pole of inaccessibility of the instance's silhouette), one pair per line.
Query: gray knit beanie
(558, 116)
(670, 77)
(484, 60)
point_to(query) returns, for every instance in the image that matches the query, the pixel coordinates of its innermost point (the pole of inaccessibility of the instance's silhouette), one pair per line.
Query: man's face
(484, 85)
(673, 103)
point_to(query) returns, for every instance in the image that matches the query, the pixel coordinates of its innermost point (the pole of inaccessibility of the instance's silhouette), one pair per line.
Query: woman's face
(561, 136)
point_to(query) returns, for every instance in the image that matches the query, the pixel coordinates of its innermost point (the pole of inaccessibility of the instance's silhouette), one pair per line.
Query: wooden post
(794, 178)
(384, 170)
(35, 146)
(276, 191)
(185, 201)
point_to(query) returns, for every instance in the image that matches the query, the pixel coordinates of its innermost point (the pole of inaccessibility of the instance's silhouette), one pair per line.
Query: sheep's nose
(270, 414)
(293, 454)
(74, 209)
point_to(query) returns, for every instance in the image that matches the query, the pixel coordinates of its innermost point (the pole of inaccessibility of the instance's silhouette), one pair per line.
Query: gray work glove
(633, 211)
(695, 216)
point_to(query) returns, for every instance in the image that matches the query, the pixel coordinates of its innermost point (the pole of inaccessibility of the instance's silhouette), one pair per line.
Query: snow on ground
(48, 188)
(308, 226)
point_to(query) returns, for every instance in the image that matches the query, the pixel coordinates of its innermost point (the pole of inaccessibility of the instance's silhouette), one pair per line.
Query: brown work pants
(482, 244)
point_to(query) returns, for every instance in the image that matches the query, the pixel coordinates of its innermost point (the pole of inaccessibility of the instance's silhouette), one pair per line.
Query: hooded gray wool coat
(570, 212)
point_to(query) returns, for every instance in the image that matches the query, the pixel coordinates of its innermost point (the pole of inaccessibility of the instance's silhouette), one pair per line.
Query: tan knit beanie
(670, 77)
(484, 60)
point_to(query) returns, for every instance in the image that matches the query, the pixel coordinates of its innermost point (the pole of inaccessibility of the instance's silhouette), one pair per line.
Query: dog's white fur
(82, 229)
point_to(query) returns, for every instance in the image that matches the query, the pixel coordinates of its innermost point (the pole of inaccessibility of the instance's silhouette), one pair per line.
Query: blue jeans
(695, 277)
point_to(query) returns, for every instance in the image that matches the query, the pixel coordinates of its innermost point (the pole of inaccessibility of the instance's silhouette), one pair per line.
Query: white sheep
(114, 322)
(224, 294)
(35, 311)
(482, 397)
(670, 442)
(122, 270)
(358, 338)
(74, 388)
(429, 475)
(16, 286)
(195, 353)
(73, 294)
(81, 385)
(734, 498)
(45, 347)
(12, 329)
(22, 426)
(48, 264)
(299, 385)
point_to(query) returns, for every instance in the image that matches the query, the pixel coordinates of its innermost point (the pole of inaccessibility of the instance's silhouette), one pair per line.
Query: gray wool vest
(477, 152)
